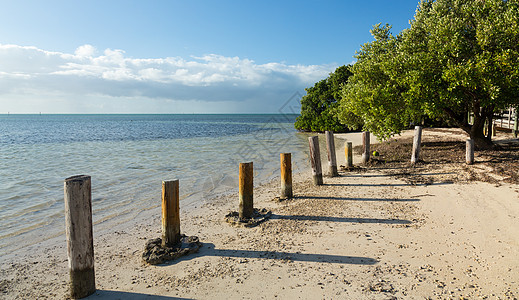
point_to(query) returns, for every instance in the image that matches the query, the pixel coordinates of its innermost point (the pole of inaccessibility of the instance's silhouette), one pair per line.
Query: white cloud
(85, 51)
(212, 78)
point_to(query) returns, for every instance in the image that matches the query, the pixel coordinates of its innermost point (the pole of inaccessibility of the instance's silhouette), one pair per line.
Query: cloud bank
(90, 81)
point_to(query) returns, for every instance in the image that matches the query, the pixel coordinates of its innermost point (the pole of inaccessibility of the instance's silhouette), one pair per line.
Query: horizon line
(197, 113)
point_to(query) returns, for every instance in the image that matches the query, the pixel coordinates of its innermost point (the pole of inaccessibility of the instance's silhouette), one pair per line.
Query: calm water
(128, 156)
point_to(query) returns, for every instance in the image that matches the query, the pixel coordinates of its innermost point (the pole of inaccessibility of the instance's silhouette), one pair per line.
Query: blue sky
(178, 56)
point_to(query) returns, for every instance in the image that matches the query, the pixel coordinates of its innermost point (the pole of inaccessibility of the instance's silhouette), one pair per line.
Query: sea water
(127, 157)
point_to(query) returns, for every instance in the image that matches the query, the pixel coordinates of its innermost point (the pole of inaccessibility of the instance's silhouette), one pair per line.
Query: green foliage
(319, 105)
(458, 56)
(374, 93)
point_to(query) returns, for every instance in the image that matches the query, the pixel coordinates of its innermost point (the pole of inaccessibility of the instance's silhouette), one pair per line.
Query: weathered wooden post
(365, 147)
(332, 159)
(348, 152)
(416, 144)
(246, 186)
(315, 160)
(172, 245)
(286, 175)
(80, 242)
(170, 213)
(494, 129)
(469, 156)
(515, 123)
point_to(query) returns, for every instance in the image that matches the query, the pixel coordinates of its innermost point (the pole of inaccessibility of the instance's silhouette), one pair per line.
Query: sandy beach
(367, 234)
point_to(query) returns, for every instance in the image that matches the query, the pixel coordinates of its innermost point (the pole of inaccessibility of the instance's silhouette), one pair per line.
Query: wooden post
(509, 117)
(170, 213)
(365, 147)
(246, 186)
(332, 159)
(494, 131)
(515, 123)
(469, 156)
(416, 144)
(348, 152)
(80, 242)
(286, 175)
(315, 160)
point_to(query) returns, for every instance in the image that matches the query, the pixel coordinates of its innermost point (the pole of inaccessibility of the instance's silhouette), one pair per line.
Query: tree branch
(455, 118)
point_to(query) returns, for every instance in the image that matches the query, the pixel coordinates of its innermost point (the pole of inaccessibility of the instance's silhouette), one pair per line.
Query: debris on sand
(155, 253)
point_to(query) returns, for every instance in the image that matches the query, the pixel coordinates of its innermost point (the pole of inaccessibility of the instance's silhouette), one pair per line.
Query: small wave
(168, 168)
(135, 167)
(26, 229)
(29, 210)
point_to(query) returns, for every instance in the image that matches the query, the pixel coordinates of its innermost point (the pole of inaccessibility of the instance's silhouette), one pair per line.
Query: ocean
(128, 156)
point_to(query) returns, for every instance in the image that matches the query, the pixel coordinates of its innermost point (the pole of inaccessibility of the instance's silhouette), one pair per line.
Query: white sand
(360, 236)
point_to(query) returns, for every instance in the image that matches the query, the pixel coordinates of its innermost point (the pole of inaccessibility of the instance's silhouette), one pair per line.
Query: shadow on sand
(339, 219)
(208, 249)
(389, 185)
(357, 199)
(115, 295)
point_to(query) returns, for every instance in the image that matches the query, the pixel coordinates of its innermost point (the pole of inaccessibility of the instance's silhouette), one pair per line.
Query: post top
(172, 180)
(78, 178)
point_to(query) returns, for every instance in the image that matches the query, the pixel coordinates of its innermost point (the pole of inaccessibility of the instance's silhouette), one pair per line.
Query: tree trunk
(490, 128)
(476, 130)
(481, 142)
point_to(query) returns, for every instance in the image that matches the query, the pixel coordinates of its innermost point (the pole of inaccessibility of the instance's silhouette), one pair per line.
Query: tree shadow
(507, 142)
(340, 219)
(105, 294)
(367, 175)
(431, 174)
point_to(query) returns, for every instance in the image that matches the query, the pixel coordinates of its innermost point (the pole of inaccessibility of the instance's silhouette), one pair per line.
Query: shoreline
(127, 157)
(187, 201)
(120, 203)
(361, 235)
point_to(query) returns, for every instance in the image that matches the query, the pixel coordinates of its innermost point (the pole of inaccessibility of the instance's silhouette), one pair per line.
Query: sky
(178, 56)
